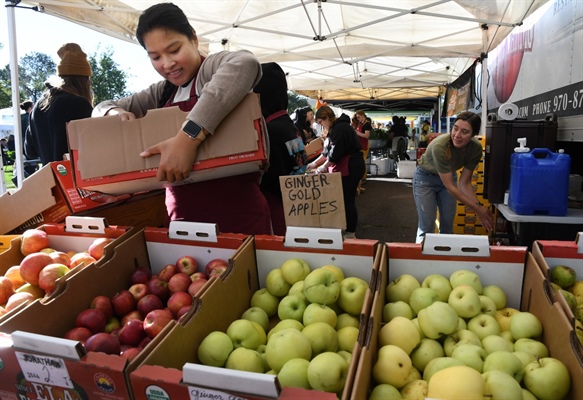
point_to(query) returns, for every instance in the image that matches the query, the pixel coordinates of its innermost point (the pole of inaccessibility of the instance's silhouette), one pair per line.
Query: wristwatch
(193, 130)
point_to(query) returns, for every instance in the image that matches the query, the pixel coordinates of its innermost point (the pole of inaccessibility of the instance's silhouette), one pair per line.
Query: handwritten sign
(313, 200)
(44, 369)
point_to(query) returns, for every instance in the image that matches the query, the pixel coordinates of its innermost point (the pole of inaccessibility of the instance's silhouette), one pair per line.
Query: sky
(39, 32)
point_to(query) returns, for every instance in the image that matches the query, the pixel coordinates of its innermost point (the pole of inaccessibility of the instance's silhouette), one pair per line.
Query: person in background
(341, 153)
(4, 151)
(68, 97)
(208, 88)
(286, 149)
(424, 136)
(303, 121)
(435, 185)
(26, 106)
(363, 130)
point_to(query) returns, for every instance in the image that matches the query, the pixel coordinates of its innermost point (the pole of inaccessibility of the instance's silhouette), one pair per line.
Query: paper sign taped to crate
(313, 200)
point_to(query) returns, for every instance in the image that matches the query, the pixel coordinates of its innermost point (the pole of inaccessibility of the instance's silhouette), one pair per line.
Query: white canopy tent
(331, 49)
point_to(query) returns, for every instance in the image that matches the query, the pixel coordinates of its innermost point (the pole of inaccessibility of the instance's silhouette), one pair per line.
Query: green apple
(494, 343)
(352, 293)
(400, 331)
(422, 297)
(461, 324)
(457, 382)
(385, 391)
(258, 315)
(262, 298)
(534, 347)
(294, 373)
(525, 325)
(503, 317)
(397, 308)
(487, 306)
(243, 359)
(570, 299)
(507, 335)
(416, 389)
(285, 324)
(578, 328)
(316, 312)
(261, 351)
(439, 283)
(346, 355)
(401, 288)
(465, 301)
(496, 294)
(504, 361)
(321, 286)
(276, 284)
(298, 289)
(286, 345)
(459, 337)
(437, 364)
(427, 350)
(416, 323)
(500, 385)
(414, 375)
(392, 366)
(291, 307)
(547, 379)
(346, 319)
(577, 290)
(337, 271)
(246, 333)
(215, 348)
(466, 277)
(526, 395)
(328, 372)
(294, 270)
(471, 355)
(563, 275)
(347, 338)
(524, 357)
(437, 320)
(484, 325)
(322, 337)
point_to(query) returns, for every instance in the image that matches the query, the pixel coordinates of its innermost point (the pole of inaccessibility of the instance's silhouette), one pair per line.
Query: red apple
(102, 303)
(61, 257)
(217, 271)
(47, 279)
(144, 342)
(92, 319)
(2, 311)
(6, 289)
(134, 314)
(148, 303)
(197, 275)
(131, 353)
(79, 333)
(178, 300)
(212, 264)
(156, 320)
(31, 265)
(13, 273)
(104, 343)
(140, 275)
(187, 264)
(182, 311)
(138, 290)
(132, 332)
(33, 240)
(166, 273)
(112, 324)
(97, 247)
(158, 287)
(123, 302)
(82, 258)
(17, 299)
(179, 282)
(195, 286)
(47, 250)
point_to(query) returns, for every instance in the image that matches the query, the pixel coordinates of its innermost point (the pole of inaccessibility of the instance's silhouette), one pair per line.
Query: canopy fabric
(334, 49)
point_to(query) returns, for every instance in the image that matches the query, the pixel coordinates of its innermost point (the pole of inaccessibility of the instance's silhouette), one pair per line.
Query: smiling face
(461, 134)
(174, 56)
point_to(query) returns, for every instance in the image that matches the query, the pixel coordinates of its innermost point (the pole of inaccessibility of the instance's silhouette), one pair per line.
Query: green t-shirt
(434, 161)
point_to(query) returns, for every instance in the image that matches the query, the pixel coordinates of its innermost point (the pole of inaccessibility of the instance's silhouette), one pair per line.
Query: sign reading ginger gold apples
(313, 200)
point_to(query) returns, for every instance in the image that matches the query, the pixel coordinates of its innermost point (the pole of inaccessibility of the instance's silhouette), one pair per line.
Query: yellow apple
(337, 271)
(401, 332)
(322, 337)
(503, 317)
(347, 338)
(243, 359)
(392, 366)
(294, 270)
(457, 383)
(276, 284)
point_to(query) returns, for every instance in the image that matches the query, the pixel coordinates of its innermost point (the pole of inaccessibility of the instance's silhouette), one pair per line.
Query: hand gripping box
(105, 151)
(173, 369)
(38, 363)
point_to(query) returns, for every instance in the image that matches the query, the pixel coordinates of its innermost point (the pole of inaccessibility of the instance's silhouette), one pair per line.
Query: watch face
(192, 129)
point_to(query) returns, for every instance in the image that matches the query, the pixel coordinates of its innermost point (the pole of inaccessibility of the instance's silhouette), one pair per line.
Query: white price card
(200, 393)
(44, 369)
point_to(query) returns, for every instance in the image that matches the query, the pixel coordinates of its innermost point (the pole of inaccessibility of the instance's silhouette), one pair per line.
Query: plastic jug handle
(541, 153)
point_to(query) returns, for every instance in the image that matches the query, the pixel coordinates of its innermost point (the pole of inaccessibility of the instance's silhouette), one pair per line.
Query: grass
(8, 177)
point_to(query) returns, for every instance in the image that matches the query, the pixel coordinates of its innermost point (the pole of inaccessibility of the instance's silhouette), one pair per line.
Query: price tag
(199, 393)
(44, 369)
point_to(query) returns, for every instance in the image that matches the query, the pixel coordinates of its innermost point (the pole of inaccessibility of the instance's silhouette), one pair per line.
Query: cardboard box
(314, 148)
(173, 365)
(37, 333)
(105, 151)
(5, 242)
(406, 169)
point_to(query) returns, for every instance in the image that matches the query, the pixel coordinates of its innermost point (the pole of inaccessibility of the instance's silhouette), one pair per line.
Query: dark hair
(165, 16)
(25, 105)
(471, 118)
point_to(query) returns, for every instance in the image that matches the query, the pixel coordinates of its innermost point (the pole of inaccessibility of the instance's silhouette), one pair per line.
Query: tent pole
(484, 88)
(18, 164)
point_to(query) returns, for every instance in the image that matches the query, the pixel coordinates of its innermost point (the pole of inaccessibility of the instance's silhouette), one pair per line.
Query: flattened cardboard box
(105, 151)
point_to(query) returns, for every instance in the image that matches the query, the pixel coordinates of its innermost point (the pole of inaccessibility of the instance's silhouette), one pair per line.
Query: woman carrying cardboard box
(208, 88)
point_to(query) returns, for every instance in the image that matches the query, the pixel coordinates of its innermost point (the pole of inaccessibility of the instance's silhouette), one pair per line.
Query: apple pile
(564, 279)
(452, 338)
(301, 326)
(125, 323)
(37, 274)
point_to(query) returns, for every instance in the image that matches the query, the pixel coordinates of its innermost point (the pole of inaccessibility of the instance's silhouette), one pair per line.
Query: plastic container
(539, 182)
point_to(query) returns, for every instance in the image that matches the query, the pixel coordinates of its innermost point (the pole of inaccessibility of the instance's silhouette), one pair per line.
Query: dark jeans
(356, 168)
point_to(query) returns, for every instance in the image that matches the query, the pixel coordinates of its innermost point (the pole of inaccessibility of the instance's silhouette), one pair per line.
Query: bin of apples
(451, 337)
(126, 322)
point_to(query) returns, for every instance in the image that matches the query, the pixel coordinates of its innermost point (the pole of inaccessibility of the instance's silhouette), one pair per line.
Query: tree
(5, 89)
(33, 71)
(109, 81)
(295, 101)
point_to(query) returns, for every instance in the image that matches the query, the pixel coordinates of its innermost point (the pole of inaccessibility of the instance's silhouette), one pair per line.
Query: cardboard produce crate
(173, 367)
(75, 373)
(511, 268)
(108, 161)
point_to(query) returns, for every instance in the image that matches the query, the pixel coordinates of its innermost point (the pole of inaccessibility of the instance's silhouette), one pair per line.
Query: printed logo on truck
(104, 383)
(35, 391)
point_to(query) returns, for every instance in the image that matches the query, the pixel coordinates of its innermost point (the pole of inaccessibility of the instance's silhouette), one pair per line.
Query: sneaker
(349, 235)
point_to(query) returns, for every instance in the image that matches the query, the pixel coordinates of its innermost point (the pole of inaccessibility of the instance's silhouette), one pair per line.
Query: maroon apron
(234, 203)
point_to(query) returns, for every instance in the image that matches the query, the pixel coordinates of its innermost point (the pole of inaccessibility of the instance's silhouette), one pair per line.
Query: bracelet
(479, 204)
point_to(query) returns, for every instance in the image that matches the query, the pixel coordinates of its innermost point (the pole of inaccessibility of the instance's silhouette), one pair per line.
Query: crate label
(44, 369)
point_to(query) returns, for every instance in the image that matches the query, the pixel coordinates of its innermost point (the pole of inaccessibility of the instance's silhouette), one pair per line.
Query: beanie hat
(73, 61)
